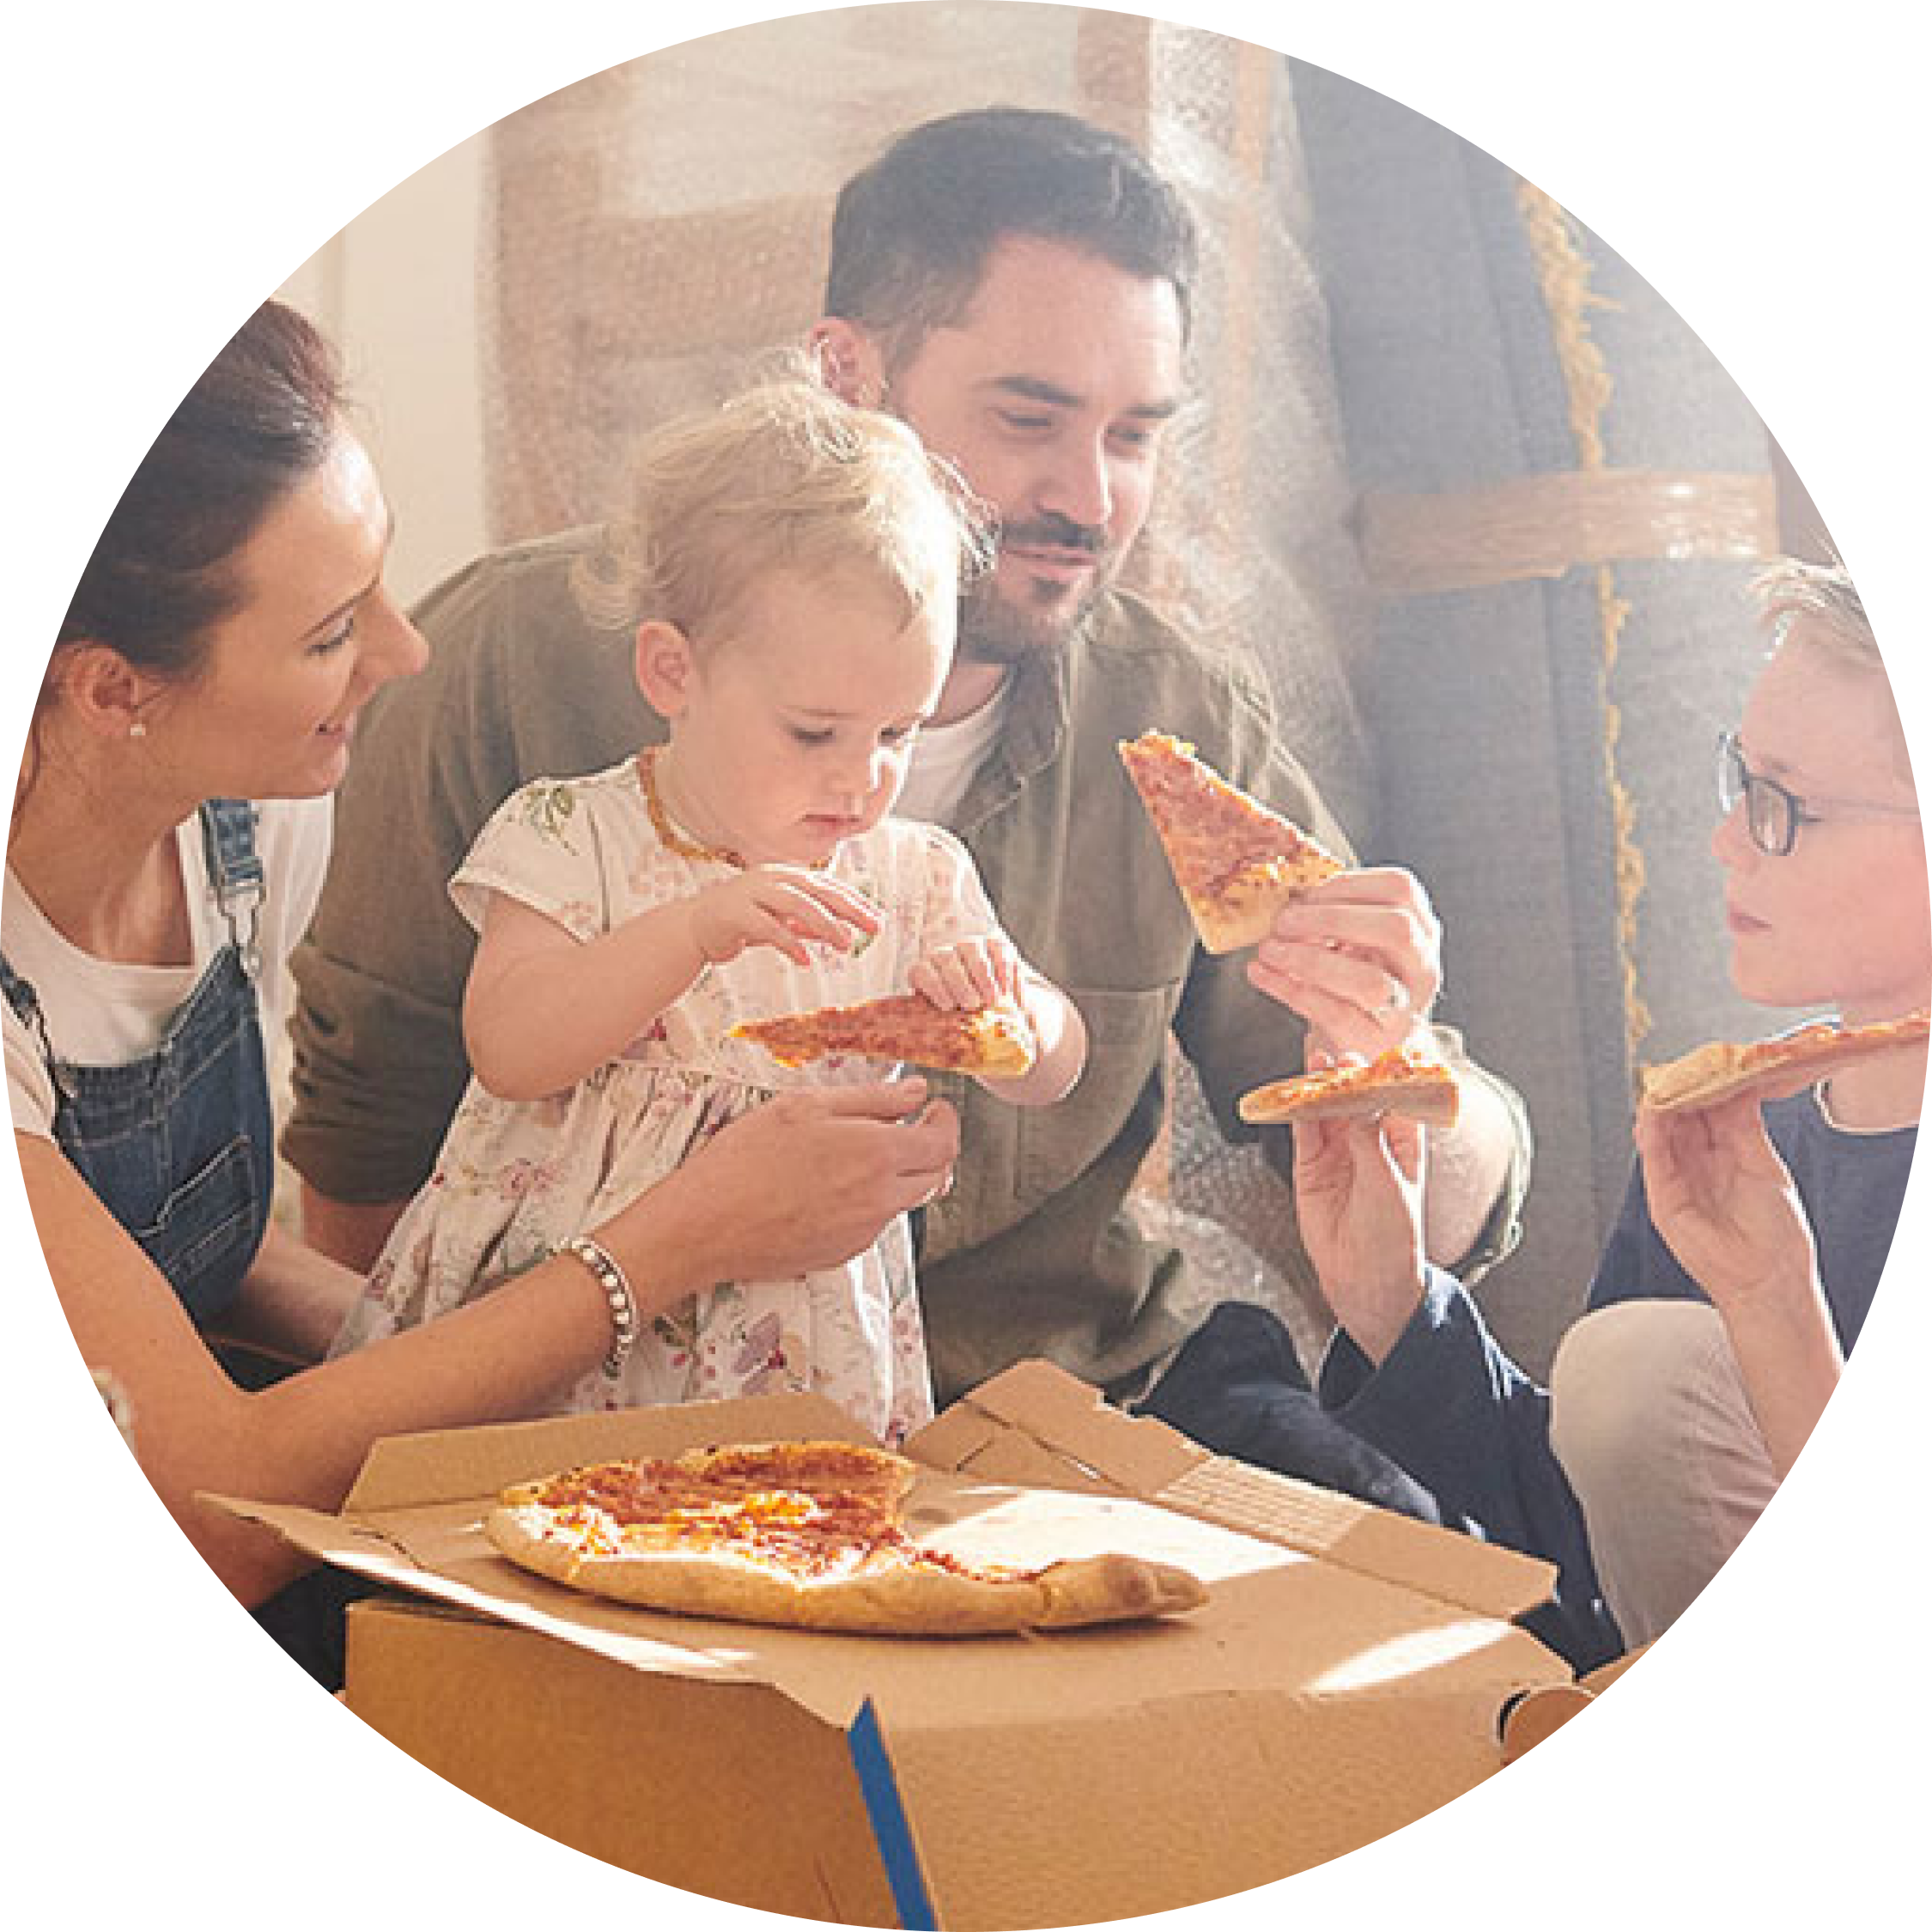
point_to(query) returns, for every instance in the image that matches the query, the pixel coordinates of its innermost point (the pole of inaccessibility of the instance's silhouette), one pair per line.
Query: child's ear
(665, 667)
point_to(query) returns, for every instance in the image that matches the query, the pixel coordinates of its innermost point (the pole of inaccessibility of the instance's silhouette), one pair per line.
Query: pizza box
(1352, 1671)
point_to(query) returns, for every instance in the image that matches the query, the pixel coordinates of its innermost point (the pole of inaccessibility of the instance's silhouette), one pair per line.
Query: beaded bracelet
(617, 1291)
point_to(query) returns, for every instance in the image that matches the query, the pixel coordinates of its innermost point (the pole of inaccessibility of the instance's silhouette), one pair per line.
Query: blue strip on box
(890, 1830)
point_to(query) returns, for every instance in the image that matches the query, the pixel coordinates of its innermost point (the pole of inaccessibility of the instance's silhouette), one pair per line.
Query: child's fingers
(838, 903)
(853, 909)
(973, 973)
(946, 979)
(1003, 967)
(807, 917)
(925, 982)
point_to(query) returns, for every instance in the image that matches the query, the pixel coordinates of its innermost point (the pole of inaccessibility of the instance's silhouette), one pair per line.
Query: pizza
(1720, 1071)
(1400, 1081)
(1236, 863)
(994, 1042)
(802, 1535)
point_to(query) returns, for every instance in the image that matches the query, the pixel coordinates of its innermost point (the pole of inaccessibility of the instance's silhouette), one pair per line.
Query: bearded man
(1016, 285)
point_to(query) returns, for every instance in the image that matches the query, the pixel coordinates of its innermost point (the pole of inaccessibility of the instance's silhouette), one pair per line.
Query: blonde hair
(1823, 597)
(784, 476)
(1823, 594)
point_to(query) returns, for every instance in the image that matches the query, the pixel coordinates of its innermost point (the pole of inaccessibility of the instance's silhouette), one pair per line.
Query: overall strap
(19, 993)
(26, 1006)
(234, 870)
(26, 1003)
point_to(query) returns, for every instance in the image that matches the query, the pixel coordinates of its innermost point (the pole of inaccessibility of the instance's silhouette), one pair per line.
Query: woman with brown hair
(170, 830)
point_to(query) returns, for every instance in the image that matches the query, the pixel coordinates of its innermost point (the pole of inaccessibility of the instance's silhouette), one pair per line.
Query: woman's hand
(805, 1181)
(1358, 1202)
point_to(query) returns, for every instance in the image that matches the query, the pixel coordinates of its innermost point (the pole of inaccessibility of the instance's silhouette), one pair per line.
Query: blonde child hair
(1824, 596)
(1791, 588)
(784, 476)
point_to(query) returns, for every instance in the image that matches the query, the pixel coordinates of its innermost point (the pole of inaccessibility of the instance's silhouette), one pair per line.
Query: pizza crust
(1106, 1589)
(892, 1599)
(1721, 1071)
(1401, 1081)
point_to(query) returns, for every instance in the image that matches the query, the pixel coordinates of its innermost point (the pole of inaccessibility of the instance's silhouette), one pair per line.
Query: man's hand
(1359, 957)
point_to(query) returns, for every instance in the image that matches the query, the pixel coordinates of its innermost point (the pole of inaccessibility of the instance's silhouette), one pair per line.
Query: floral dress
(515, 1178)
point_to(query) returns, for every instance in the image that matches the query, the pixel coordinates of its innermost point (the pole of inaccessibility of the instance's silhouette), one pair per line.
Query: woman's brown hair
(261, 416)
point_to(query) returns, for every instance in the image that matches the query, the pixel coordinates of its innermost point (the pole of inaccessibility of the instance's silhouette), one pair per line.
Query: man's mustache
(1055, 532)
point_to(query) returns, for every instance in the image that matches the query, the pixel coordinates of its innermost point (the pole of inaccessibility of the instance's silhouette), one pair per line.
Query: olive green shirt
(1030, 1253)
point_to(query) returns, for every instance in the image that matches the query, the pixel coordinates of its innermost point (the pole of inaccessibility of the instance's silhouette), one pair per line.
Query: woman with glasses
(1744, 1259)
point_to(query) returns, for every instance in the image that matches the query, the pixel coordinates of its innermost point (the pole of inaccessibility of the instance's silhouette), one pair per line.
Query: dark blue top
(1449, 1405)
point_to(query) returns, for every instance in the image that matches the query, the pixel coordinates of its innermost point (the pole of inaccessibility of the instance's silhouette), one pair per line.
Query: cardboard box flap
(1097, 1444)
(1532, 1716)
(449, 1465)
(1035, 1419)
(1483, 1577)
(374, 1553)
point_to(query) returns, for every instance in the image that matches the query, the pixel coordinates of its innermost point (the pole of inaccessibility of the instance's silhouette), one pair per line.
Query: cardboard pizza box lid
(1035, 1424)
(1350, 1589)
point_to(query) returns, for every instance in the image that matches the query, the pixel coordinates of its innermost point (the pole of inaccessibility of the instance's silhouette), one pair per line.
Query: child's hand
(784, 907)
(969, 974)
(1726, 1204)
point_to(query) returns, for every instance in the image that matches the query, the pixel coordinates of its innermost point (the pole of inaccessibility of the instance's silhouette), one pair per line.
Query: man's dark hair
(912, 232)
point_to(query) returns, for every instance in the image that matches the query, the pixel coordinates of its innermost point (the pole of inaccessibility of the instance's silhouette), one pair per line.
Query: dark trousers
(1237, 1388)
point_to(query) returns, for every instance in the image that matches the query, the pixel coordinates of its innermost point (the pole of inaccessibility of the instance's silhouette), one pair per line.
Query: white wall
(396, 290)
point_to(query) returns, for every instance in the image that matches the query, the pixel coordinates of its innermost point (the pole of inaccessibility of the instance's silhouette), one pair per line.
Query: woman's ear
(850, 361)
(101, 691)
(665, 667)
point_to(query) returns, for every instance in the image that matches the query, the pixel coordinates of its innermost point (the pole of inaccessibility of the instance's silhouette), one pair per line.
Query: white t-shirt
(101, 1013)
(945, 758)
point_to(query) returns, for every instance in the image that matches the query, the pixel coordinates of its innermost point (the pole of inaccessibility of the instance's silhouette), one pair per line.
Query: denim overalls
(180, 1148)
(179, 1145)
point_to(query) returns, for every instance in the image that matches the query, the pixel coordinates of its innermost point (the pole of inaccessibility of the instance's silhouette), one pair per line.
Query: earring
(138, 728)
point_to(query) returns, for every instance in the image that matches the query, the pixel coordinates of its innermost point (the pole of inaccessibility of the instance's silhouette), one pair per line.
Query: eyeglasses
(1772, 815)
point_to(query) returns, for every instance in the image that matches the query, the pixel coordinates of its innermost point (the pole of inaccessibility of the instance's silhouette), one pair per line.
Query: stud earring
(138, 728)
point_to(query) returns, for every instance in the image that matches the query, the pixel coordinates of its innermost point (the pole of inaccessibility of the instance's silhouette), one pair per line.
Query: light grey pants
(1649, 1418)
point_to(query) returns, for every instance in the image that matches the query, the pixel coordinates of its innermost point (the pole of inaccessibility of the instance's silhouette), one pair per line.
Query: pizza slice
(994, 1042)
(1236, 863)
(1710, 1075)
(1400, 1081)
(802, 1534)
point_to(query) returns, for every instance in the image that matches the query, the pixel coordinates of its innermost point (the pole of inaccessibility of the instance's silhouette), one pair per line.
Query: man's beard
(998, 629)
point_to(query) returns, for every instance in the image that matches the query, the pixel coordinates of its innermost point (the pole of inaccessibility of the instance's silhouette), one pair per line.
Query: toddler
(799, 562)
